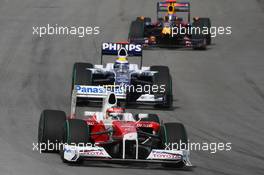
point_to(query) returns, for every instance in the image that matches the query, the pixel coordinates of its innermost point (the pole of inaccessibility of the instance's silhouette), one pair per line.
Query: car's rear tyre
(76, 132)
(50, 130)
(174, 136)
(81, 75)
(163, 78)
(136, 30)
(204, 38)
(207, 23)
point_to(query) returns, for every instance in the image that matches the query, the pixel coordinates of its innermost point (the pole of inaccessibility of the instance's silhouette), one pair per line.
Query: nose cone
(123, 128)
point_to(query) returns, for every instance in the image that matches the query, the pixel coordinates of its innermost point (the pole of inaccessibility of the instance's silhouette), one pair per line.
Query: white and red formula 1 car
(114, 135)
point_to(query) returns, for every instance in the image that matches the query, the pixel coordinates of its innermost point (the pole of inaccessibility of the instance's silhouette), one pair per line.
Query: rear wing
(133, 50)
(95, 92)
(173, 6)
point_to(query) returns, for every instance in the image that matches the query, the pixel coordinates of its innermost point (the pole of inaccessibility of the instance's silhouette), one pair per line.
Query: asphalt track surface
(218, 93)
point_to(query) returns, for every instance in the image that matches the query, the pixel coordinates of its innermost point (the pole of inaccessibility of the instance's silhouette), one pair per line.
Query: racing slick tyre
(76, 132)
(50, 130)
(174, 134)
(136, 30)
(163, 78)
(80, 74)
(205, 39)
(206, 22)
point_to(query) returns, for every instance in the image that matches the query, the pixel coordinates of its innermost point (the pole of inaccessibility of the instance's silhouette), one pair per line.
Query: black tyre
(76, 132)
(136, 30)
(50, 130)
(206, 22)
(174, 134)
(204, 39)
(163, 78)
(80, 74)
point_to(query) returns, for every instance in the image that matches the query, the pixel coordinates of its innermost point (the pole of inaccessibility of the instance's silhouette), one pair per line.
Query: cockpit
(121, 116)
(121, 67)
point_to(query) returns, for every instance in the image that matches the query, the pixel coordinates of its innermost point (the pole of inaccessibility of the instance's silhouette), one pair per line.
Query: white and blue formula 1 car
(132, 83)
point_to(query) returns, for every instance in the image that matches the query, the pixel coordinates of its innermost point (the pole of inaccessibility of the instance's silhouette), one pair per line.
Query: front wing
(100, 92)
(180, 43)
(96, 153)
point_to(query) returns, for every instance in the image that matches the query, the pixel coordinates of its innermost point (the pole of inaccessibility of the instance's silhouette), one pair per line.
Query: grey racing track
(218, 93)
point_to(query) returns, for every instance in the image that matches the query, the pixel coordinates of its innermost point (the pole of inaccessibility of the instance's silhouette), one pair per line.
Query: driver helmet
(121, 64)
(114, 112)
